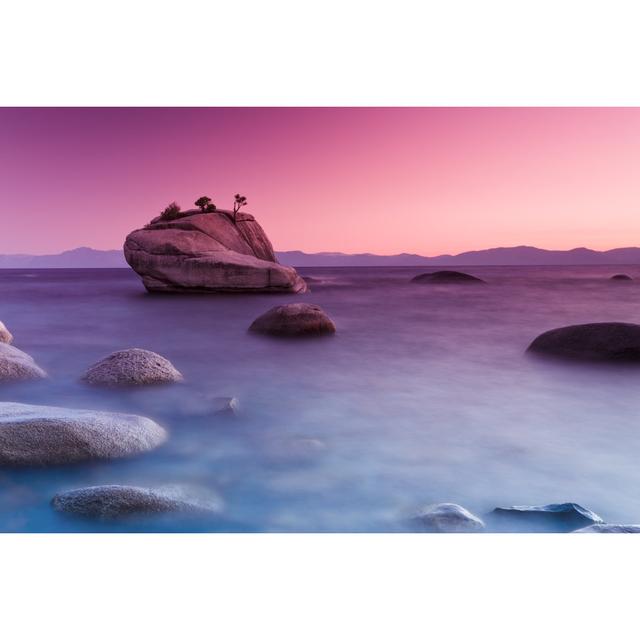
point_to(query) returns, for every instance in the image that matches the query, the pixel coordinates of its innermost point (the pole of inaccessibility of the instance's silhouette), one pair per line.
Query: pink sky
(383, 180)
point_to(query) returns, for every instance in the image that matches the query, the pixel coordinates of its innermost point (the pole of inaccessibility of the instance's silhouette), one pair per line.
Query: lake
(425, 394)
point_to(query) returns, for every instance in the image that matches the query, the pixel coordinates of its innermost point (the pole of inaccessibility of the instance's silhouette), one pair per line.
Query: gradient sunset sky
(382, 180)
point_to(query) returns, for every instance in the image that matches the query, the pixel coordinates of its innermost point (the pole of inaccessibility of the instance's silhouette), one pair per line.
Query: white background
(324, 53)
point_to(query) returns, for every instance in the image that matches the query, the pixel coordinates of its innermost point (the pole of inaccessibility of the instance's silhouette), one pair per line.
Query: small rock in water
(17, 365)
(109, 502)
(438, 277)
(226, 405)
(203, 405)
(5, 334)
(621, 276)
(446, 518)
(33, 435)
(599, 341)
(132, 367)
(297, 319)
(609, 528)
(563, 517)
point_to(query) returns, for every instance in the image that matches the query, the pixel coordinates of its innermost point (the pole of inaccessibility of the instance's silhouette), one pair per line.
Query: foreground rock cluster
(550, 518)
(17, 365)
(600, 341)
(208, 252)
(297, 319)
(33, 435)
(110, 502)
(132, 367)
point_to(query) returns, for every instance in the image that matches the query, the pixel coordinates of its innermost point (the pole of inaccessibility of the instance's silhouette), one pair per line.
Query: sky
(379, 180)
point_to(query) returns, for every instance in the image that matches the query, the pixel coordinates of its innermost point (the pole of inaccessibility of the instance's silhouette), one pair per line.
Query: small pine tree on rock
(203, 202)
(239, 201)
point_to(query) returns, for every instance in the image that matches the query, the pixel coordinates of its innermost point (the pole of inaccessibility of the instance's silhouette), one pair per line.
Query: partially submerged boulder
(132, 367)
(605, 341)
(609, 528)
(110, 502)
(621, 276)
(446, 518)
(446, 277)
(566, 516)
(17, 365)
(32, 435)
(294, 320)
(5, 334)
(208, 252)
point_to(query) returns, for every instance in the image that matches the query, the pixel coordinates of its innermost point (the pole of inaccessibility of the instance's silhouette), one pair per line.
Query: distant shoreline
(522, 256)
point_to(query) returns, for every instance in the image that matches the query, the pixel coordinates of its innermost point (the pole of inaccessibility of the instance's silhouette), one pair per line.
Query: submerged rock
(609, 528)
(621, 276)
(208, 252)
(225, 405)
(5, 334)
(132, 367)
(605, 341)
(563, 517)
(32, 435)
(446, 518)
(109, 502)
(17, 365)
(438, 277)
(298, 319)
(205, 405)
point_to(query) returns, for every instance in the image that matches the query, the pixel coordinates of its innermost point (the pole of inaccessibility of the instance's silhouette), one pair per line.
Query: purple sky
(382, 180)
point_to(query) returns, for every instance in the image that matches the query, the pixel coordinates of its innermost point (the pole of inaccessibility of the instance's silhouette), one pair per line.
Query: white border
(73, 52)
(337, 52)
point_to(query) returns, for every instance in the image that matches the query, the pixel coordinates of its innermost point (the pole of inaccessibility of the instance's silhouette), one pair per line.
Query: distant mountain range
(84, 257)
(500, 256)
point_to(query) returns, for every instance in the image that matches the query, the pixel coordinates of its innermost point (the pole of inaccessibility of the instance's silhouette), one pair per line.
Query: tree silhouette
(171, 211)
(239, 201)
(203, 203)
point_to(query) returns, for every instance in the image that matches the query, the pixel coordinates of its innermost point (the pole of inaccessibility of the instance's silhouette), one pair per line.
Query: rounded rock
(604, 341)
(446, 277)
(610, 528)
(32, 435)
(294, 320)
(5, 334)
(562, 517)
(621, 276)
(18, 365)
(110, 502)
(132, 367)
(446, 518)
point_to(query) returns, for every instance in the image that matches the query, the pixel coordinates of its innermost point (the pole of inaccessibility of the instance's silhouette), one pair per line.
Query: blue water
(424, 395)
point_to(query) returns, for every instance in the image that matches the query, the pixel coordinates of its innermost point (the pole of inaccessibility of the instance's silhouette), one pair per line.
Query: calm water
(424, 395)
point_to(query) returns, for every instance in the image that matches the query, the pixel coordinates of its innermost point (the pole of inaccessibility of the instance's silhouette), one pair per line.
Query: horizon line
(362, 253)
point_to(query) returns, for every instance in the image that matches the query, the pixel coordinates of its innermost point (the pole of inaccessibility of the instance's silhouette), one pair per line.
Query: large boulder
(208, 252)
(621, 276)
(5, 334)
(17, 365)
(109, 502)
(294, 320)
(446, 277)
(605, 341)
(33, 435)
(446, 518)
(132, 367)
(563, 517)
(609, 528)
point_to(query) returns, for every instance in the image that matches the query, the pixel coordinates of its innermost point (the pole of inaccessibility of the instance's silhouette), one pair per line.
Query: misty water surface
(424, 395)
